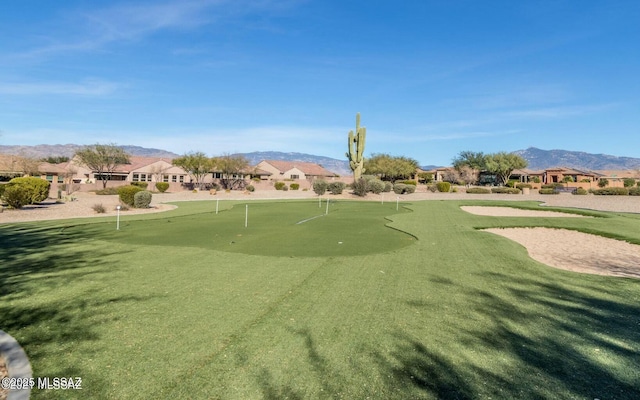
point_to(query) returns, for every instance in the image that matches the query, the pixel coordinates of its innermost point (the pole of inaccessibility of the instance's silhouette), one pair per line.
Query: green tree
(233, 169)
(502, 165)
(102, 159)
(469, 164)
(196, 164)
(391, 168)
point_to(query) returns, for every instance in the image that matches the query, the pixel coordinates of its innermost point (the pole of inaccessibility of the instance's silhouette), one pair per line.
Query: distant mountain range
(541, 159)
(537, 158)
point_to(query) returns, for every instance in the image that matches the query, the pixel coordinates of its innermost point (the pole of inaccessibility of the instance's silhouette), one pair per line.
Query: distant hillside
(541, 159)
(340, 167)
(68, 150)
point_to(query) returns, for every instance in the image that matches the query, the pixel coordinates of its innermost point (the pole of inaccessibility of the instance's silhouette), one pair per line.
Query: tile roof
(308, 168)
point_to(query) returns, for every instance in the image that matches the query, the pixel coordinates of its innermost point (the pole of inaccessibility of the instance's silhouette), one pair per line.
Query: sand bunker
(577, 251)
(514, 212)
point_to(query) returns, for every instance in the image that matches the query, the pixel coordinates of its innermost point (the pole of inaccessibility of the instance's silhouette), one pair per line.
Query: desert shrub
(634, 191)
(505, 190)
(255, 179)
(99, 208)
(512, 183)
(399, 188)
(107, 191)
(388, 187)
(294, 186)
(585, 180)
(2, 187)
(454, 190)
(629, 182)
(567, 179)
(612, 191)
(524, 185)
(285, 188)
(336, 187)
(547, 191)
(280, 185)
(478, 190)
(409, 182)
(320, 187)
(603, 182)
(552, 185)
(432, 188)
(580, 191)
(142, 185)
(15, 196)
(376, 186)
(360, 187)
(410, 189)
(36, 189)
(162, 186)
(142, 199)
(127, 193)
(536, 179)
(443, 187)
(250, 188)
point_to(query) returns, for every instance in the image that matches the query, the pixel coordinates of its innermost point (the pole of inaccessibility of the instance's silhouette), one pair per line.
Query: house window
(165, 178)
(181, 178)
(136, 177)
(295, 176)
(174, 178)
(50, 178)
(143, 177)
(217, 175)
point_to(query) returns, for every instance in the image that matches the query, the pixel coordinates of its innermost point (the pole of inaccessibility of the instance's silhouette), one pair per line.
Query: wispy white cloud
(132, 22)
(89, 87)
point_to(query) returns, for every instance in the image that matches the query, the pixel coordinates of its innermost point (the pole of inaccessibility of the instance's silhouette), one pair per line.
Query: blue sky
(430, 78)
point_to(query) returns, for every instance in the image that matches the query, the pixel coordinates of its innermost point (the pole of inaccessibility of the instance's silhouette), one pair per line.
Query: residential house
(293, 170)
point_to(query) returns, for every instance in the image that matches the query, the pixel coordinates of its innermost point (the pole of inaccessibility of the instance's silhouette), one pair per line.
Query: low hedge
(294, 186)
(634, 191)
(478, 190)
(280, 185)
(580, 191)
(524, 185)
(505, 190)
(612, 191)
(547, 191)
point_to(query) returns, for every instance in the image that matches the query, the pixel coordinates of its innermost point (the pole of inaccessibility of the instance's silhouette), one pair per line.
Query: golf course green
(361, 301)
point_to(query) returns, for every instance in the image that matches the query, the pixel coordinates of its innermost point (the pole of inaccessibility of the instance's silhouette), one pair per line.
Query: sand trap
(515, 212)
(577, 251)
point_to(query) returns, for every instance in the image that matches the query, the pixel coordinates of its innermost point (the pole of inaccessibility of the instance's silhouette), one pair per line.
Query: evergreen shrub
(635, 191)
(336, 187)
(250, 188)
(478, 190)
(36, 189)
(612, 191)
(142, 185)
(580, 191)
(505, 190)
(388, 187)
(320, 187)
(127, 193)
(280, 185)
(142, 199)
(162, 186)
(376, 186)
(443, 187)
(294, 186)
(547, 191)
(360, 187)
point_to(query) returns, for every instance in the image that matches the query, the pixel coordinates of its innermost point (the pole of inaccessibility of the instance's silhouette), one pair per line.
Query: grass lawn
(190, 304)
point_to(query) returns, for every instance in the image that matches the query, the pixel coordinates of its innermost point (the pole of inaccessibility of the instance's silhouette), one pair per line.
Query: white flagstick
(118, 219)
(397, 202)
(382, 201)
(319, 201)
(327, 211)
(217, 201)
(246, 216)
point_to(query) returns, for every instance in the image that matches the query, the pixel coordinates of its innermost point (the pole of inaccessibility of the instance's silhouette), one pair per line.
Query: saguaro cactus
(356, 149)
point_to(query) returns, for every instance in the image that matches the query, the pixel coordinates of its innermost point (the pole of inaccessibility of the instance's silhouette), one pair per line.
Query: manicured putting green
(274, 228)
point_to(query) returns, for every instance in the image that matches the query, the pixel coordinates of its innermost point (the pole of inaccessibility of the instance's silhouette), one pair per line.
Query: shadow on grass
(35, 263)
(539, 340)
